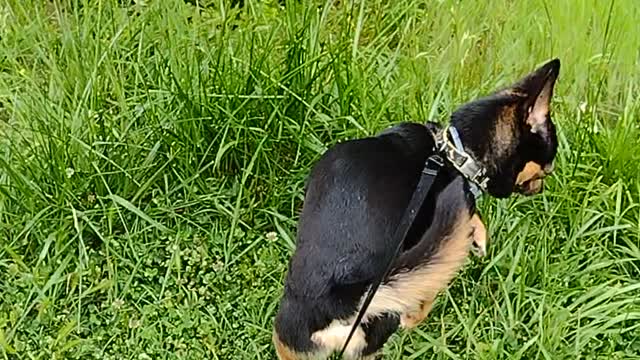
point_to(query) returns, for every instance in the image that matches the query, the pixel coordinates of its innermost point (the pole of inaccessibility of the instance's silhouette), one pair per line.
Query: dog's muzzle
(530, 180)
(531, 187)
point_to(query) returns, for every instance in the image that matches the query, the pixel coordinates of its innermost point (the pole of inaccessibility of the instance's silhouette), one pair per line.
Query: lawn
(153, 156)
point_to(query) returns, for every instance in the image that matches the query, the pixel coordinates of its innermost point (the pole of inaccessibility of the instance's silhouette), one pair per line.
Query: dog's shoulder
(394, 155)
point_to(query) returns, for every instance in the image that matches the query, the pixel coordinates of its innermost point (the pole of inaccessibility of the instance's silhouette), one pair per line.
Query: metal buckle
(461, 160)
(433, 165)
(484, 182)
(468, 167)
(436, 159)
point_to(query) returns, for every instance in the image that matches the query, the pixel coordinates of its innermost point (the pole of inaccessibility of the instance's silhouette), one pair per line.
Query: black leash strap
(429, 172)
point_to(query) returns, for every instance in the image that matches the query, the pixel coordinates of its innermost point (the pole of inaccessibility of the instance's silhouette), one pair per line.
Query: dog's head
(511, 133)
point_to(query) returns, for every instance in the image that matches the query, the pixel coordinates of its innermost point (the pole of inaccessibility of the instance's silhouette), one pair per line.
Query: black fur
(341, 251)
(358, 191)
(378, 331)
(451, 200)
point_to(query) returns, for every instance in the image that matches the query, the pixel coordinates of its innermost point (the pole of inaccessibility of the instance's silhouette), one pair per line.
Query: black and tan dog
(356, 195)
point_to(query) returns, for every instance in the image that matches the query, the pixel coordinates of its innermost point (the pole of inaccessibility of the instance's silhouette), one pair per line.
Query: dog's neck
(449, 144)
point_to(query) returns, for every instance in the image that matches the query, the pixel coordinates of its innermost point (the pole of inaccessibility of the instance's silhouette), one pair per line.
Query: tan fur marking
(370, 357)
(535, 186)
(503, 136)
(530, 172)
(332, 338)
(412, 293)
(538, 112)
(479, 234)
(411, 320)
(286, 353)
(283, 351)
(479, 237)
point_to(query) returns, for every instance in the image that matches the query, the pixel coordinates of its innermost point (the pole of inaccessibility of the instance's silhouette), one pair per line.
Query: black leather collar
(448, 144)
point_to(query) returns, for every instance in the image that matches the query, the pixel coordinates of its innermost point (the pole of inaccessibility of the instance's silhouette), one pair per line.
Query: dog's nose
(548, 169)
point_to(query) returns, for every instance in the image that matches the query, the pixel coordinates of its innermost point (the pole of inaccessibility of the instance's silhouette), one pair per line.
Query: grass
(153, 155)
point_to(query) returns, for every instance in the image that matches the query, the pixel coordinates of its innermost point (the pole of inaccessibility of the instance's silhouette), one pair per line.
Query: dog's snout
(532, 187)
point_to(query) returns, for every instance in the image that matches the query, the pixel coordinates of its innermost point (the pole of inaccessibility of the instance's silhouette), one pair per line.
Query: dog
(356, 194)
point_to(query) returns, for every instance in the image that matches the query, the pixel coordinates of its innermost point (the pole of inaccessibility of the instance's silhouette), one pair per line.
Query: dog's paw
(410, 321)
(478, 237)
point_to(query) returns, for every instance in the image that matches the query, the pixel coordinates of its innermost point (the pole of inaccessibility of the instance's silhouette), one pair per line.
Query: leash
(429, 172)
(473, 172)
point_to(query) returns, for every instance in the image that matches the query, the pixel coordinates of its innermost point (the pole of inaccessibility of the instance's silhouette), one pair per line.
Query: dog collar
(451, 147)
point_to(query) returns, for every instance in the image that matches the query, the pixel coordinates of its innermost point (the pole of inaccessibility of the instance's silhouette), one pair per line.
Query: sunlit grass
(153, 156)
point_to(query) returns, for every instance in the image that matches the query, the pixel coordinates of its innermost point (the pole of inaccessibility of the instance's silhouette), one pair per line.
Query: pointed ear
(537, 88)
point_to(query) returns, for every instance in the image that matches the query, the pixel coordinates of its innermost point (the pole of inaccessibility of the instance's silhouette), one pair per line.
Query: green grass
(153, 155)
